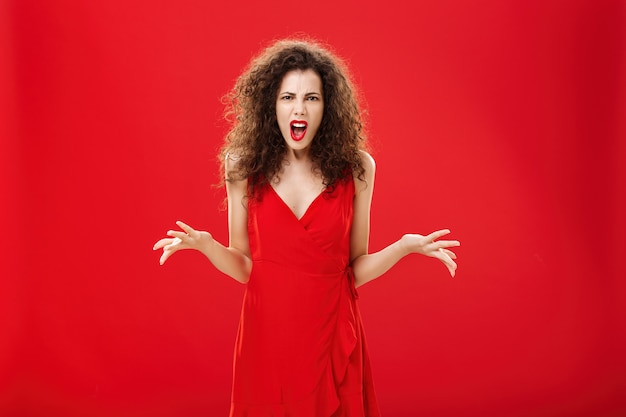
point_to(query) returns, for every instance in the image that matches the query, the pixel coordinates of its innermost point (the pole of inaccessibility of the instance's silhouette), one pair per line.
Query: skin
(300, 98)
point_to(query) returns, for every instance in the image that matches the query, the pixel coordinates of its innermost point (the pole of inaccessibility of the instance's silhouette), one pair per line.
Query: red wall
(503, 121)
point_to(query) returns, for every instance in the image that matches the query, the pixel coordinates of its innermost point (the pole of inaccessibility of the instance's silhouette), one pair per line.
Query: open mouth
(298, 129)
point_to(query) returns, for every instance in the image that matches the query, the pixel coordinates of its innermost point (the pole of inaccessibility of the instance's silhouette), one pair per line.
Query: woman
(299, 186)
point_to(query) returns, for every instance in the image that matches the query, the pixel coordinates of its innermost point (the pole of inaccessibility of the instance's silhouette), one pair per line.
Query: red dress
(300, 349)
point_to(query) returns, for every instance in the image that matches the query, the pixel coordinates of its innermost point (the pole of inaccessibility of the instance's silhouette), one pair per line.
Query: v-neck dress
(300, 349)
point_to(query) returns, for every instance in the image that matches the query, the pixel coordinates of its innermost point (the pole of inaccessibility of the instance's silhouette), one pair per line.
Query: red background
(503, 121)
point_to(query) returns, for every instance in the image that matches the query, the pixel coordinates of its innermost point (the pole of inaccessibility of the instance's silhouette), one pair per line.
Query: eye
(312, 98)
(285, 98)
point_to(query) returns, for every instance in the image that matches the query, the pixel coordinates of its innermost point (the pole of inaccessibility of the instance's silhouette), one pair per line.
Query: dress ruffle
(300, 348)
(345, 388)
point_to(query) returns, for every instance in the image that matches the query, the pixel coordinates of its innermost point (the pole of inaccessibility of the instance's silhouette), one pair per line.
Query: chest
(322, 232)
(298, 189)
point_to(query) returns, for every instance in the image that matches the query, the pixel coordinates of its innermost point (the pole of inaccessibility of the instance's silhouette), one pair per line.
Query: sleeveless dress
(300, 349)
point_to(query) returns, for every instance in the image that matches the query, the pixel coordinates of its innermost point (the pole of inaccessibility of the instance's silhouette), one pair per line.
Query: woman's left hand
(429, 246)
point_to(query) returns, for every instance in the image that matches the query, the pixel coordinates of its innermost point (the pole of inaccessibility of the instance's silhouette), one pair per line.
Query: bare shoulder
(368, 161)
(231, 162)
(369, 165)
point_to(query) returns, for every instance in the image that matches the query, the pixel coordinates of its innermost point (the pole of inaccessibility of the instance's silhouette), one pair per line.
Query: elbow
(357, 273)
(244, 277)
(355, 260)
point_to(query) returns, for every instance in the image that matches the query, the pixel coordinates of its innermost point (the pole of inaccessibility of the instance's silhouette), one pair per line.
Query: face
(299, 108)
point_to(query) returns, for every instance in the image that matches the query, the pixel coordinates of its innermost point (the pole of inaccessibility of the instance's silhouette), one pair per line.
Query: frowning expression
(299, 108)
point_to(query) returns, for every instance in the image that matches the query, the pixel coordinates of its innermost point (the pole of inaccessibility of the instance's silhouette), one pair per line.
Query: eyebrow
(313, 93)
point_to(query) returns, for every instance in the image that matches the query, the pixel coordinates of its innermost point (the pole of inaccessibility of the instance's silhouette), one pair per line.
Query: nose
(299, 107)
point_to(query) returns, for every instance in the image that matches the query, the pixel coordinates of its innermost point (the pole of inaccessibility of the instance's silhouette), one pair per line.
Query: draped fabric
(300, 349)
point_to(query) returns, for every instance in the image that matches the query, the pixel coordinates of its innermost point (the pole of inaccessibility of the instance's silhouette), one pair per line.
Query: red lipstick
(298, 129)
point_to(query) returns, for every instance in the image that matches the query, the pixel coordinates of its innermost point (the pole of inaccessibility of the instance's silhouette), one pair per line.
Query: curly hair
(255, 137)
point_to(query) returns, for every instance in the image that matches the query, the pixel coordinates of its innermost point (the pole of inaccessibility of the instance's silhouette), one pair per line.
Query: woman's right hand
(189, 238)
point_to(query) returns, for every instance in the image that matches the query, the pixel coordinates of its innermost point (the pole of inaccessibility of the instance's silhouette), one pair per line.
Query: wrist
(207, 245)
(404, 245)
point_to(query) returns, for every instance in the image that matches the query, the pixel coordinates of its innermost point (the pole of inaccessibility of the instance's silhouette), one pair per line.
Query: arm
(233, 260)
(369, 266)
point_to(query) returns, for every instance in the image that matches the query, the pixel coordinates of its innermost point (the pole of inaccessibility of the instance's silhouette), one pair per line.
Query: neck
(300, 155)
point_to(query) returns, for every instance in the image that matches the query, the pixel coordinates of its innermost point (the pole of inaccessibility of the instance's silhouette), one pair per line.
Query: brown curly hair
(255, 137)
